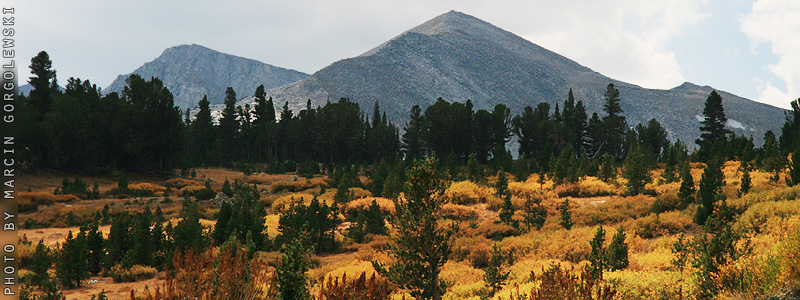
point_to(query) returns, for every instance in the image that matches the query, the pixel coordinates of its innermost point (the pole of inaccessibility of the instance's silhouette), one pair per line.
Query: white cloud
(776, 22)
(623, 39)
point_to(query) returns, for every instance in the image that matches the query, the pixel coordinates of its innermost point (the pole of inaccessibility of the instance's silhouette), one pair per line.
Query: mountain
(458, 57)
(191, 71)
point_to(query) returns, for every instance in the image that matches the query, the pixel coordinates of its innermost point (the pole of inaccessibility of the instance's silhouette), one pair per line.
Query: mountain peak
(448, 22)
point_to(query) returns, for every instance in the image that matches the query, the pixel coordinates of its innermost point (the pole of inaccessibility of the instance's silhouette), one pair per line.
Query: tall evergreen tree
(202, 132)
(43, 82)
(617, 252)
(614, 124)
(40, 263)
(290, 274)
(747, 182)
(790, 132)
(636, 171)
(228, 126)
(566, 215)
(597, 256)
(421, 246)
(494, 277)
(413, 138)
(793, 175)
(71, 267)
(710, 190)
(713, 132)
(686, 193)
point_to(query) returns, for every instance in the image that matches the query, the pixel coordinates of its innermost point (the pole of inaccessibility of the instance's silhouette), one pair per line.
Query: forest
(328, 203)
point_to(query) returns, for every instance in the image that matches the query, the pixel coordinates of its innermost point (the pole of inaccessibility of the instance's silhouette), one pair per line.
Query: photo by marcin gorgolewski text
(10, 129)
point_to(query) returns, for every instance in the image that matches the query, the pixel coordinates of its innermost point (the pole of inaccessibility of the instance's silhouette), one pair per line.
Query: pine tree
(43, 83)
(41, 261)
(413, 138)
(226, 188)
(617, 253)
(793, 176)
(608, 171)
(96, 247)
(747, 182)
(375, 222)
(771, 158)
(202, 132)
(566, 215)
(635, 171)
(535, 214)
(493, 276)
(710, 190)
(713, 130)
(614, 124)
(71, 267)
(421, 246)
(507, 211)
(597, 256)
(686, 193)
(290, 274)
(790, 132)
(228, 127)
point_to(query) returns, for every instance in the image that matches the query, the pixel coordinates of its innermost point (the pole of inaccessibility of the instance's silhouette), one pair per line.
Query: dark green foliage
(793, 175)
(188, 234)
(241, 217)
(566, 215)
(790, 132)
(747, 182)
(78, 188)
(709, 191)
(100, 296)
(597, 257)
(493, 276)
(535, 213)
(202, 133)
(713, 132)
(375, 222)
(71, 267)
(343, 194)
(507, 211)
(614, 125)
(413, 138)
(686, 193)
(713, 248)
(119, 239)
(95, 245)
(617, 252)
(635, 170)
(653, 139)
(290, 273)
(421, 246)
(226, 188)
(772, 160)
(608, 170)
(42, 259)
(357, 230)
(317, 222)
(43, 82)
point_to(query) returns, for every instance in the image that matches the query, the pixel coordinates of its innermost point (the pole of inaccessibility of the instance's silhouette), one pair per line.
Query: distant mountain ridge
(458, 57)
(192, 71)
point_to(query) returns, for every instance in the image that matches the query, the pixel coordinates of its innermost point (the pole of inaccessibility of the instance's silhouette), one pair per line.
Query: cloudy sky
(747, 47)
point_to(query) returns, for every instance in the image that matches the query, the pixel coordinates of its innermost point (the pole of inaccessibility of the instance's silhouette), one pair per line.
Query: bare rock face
(192, 71)
(458, 57)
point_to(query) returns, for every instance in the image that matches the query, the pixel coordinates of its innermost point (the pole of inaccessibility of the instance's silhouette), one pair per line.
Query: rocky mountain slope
(191, 71)
(458, 57)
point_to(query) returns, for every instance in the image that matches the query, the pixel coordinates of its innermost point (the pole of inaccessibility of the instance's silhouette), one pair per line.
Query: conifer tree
(507, 211)
(43, 82)
(713, 130)
(535, 214)
(635, 171)
(710, 190)
(617, 253)
(597, 256)
(790, 132)
(375, 222)
(421, 246)
(95, 245)
(614, 124)
(686, 192)
(747, 182)
(493, 276)
(71, 267)
(202, 132)
(771, 158)
(793, 176)
(566, 214)
(290, 274)
(608, 171)
(40, 263)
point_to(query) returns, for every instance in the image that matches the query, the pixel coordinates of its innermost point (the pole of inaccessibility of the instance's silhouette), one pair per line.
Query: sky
(746, 47)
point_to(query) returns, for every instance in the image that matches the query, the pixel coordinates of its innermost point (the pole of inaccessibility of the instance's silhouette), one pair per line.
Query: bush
(295, 186)
(589, 187)
(458, 212)
(132, 274)
(467, 192)
(494, 231)
(179, 183)
(353, 207)
(655, 225)
(614, 211)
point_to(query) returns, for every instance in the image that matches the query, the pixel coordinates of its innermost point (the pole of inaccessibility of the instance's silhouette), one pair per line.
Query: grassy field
(770, 213)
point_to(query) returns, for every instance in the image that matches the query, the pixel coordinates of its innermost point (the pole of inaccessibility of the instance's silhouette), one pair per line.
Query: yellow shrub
(492, 230)
(352, 208)
(650, 284)
(613, 211)
(458, 212)
(147, 186)
(191, 189)
(295, 186)
(467, 281)
(757, 214)
(283, 202)
(655, 225)
(358, 193)
(589, 187)
(45, 198)
(134, 273)
(467, 192)
(179, 183)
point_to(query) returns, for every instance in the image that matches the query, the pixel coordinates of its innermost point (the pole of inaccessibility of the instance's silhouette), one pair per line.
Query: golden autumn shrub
(352, 208)
(179, 183)
(132, 274)
(298, 185)
(458, 212)
(467, 192)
